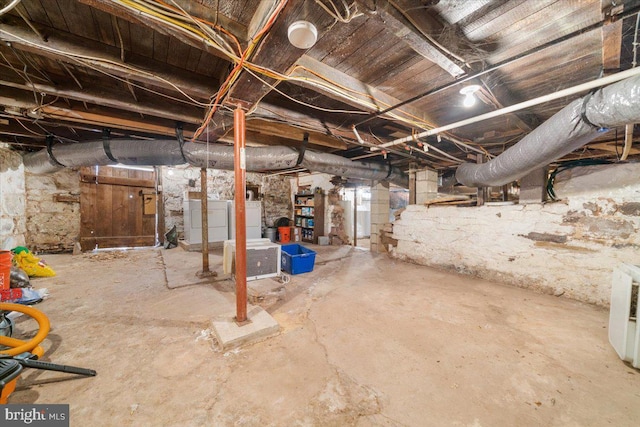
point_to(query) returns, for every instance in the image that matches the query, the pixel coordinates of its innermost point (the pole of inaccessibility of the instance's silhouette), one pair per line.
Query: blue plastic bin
(296, 259)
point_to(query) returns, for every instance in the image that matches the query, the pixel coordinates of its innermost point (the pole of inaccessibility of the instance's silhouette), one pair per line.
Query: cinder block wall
(568, 247)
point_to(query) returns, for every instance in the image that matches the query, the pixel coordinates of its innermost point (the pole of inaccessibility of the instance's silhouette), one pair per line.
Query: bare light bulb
(469, 100)
(469, 97)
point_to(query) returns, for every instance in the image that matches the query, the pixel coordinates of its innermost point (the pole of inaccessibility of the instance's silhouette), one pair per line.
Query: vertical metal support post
(355, 217)
(240, 173)
(482, 191)
(412, 183)
(205, 220)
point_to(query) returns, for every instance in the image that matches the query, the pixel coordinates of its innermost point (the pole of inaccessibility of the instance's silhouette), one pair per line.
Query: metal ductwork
(577, 124)
(215, 156)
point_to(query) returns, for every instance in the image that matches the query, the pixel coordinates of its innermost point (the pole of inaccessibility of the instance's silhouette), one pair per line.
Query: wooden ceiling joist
(406, 31)
(71, 49)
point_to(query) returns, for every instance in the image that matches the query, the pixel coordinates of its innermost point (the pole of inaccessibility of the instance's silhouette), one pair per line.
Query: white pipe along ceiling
(572, 127)
(569, 129)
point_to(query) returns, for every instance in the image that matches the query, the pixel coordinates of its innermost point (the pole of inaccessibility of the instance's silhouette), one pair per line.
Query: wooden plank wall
(111, 208)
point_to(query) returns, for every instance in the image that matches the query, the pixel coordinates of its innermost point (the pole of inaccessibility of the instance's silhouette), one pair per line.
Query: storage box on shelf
(309, 215)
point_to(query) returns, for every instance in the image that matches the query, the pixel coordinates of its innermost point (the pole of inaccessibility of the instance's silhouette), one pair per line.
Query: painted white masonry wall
(12, 198)
(568, 247)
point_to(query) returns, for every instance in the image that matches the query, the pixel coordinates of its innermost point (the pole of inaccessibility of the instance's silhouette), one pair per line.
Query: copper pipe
(240, 173)
(205, 220)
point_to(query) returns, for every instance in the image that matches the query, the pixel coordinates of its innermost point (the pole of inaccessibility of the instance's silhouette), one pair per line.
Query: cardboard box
(296, 234)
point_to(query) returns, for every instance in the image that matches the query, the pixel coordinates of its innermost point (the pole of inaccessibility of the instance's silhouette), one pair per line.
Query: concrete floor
(365, 340)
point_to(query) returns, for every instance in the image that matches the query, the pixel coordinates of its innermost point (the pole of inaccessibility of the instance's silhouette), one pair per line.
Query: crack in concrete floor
(365, 341)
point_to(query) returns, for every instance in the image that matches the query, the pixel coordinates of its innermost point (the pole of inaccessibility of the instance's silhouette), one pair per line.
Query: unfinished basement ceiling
(139, 68)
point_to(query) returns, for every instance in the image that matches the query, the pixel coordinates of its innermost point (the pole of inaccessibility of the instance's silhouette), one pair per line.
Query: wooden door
(117, 208)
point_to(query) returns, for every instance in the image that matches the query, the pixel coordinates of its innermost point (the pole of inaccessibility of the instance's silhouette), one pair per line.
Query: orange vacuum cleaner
(16, 354)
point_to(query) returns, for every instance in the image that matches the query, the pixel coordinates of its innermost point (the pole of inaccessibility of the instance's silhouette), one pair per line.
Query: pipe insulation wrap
(258, 158)
(566, 131)
(215, 156)
(40, 162)
(336, 165)
(158, 152)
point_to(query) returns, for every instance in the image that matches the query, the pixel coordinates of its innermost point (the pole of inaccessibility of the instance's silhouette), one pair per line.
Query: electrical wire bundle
(569, 165)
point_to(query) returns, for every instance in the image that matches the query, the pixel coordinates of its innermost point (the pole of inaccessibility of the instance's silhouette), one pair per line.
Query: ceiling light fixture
(303, 34)
(469, 97)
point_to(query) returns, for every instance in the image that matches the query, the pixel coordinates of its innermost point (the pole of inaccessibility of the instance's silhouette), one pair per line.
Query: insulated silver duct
(215, 156)
(572, 127)
(258, 158)
(336, 165)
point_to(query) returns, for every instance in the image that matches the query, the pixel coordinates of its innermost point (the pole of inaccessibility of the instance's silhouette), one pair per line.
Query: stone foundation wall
(276, 199)
(12, 198)
(53, 211)
(566, 248)
(274, 192)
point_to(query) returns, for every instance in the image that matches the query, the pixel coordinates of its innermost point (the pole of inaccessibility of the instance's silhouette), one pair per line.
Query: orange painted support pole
(205, 220)
(240, 173)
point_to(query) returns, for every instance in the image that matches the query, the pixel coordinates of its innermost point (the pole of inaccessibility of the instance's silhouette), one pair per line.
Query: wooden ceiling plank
(108, 59)
(80, 21)
(107, 97)
(200, 10)
(142, 40)
(525, 119)
(274, 52)
(340, 36)
(356, 42)
(34, 12)
(509, 18)
(160, 47)
(372, 60)
(283, 115)
(359, 91)
(179, 53)
(611, 46)
(121, 12)
(56, 16)
(194, 59)
(104, 27)
(296, 134)
(404, 30)
(256, 137)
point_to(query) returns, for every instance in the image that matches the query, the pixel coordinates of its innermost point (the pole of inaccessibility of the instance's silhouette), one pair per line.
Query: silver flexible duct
(215, 156)
(336, 165)
(569, 129)
(258, 158)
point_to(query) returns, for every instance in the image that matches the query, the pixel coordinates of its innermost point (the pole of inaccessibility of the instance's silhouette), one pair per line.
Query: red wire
(223, 88)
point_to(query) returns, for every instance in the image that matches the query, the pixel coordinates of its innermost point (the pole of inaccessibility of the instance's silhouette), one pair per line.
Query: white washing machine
(217, 218)
(253, 211)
